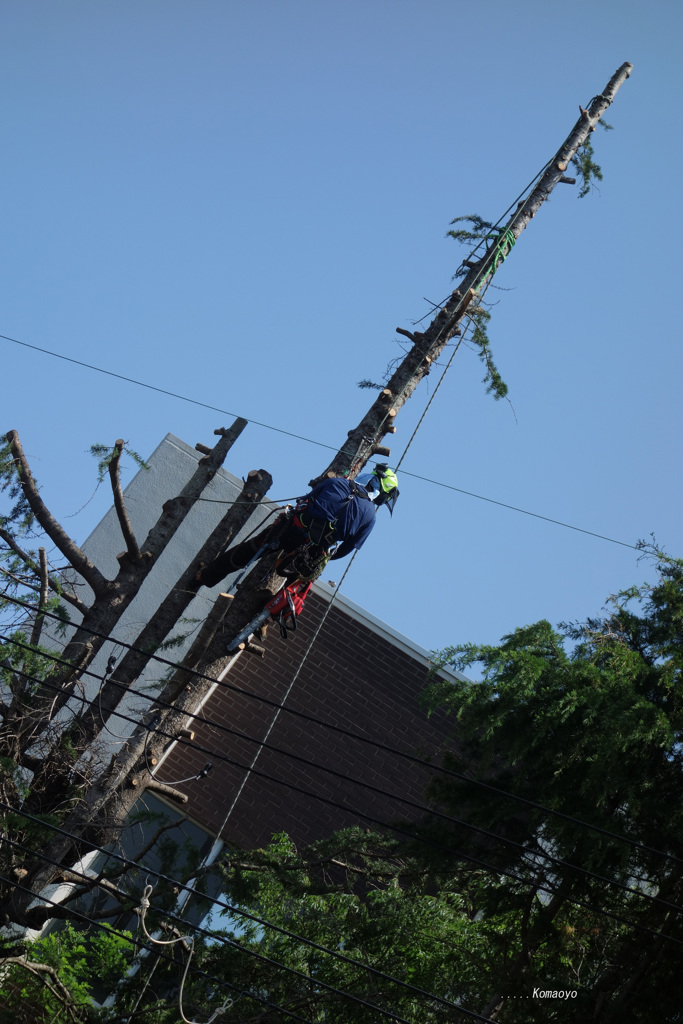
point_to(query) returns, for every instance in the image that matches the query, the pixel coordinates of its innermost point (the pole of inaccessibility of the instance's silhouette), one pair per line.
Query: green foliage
(105, 454)
(20, 519)
(478, 230)
(80, 961)
(585, 720)
(495, 385)
(585, 166)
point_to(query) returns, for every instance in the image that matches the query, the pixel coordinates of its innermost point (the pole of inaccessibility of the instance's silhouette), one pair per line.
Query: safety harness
(308, 561)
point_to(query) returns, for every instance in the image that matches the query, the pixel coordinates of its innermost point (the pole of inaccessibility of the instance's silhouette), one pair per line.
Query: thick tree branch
(165, 790)
(78, 559)
(175, 510)
(119, 504)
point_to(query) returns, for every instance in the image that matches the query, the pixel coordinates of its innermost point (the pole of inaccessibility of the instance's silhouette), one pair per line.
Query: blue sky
(240, 202)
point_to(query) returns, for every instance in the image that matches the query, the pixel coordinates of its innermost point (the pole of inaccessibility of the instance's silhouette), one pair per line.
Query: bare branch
(78, 559)
(169, 791)
(52, 582)
(119, 505)
(137, 857)
(40, 617)
(175, 510)
(49, 977)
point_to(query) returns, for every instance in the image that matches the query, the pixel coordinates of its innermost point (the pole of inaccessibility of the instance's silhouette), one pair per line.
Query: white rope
(142, 911)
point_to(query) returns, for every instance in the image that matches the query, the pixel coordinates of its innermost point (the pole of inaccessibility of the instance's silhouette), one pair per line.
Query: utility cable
(263, 744)
(524, 511)
(163, 391)
(364, 968)
(144, 907)
(320, 444)
(459, 854)
(220, 982)
(377, 744)
(496, 870)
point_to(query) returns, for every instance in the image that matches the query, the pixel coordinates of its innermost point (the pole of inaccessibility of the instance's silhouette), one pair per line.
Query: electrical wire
(524, 511)
(340, 730)
(320, 444)
(459, 854)
(263, 744)
(364, 967)
(163, 391)
(134, 942)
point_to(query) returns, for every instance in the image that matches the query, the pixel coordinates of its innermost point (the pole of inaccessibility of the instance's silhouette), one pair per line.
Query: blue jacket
(353, 516)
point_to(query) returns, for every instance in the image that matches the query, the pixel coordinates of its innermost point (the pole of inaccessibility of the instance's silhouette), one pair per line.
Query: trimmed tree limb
(119, 504)
(175, 510)
(169, 791)
(356, 450)
(78, 559)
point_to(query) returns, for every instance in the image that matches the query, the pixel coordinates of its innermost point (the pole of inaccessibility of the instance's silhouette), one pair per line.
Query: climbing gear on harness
(382, 486)
(305, 563)
(285, 607)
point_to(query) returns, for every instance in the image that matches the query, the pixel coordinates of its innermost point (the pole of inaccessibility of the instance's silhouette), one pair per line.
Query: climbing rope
(142, 911)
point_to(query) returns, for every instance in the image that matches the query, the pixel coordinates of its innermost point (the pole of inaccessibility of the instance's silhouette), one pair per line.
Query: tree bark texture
(363, 439)
(113, 597)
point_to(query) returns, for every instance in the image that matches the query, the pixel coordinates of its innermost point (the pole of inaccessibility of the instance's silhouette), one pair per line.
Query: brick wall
(358, 677)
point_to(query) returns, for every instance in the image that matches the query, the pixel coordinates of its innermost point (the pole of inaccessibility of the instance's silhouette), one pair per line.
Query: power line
(365, 968)
(410, 835)
(310, 440)
(524, 511)
(162, 391)
(538, 886)
(477, 783)
(263, 744)
(137, 944)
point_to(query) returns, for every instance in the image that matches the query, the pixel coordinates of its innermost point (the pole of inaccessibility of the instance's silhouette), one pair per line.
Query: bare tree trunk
(427, 347)
(107, 802)
(112, 597)
(49, 783)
